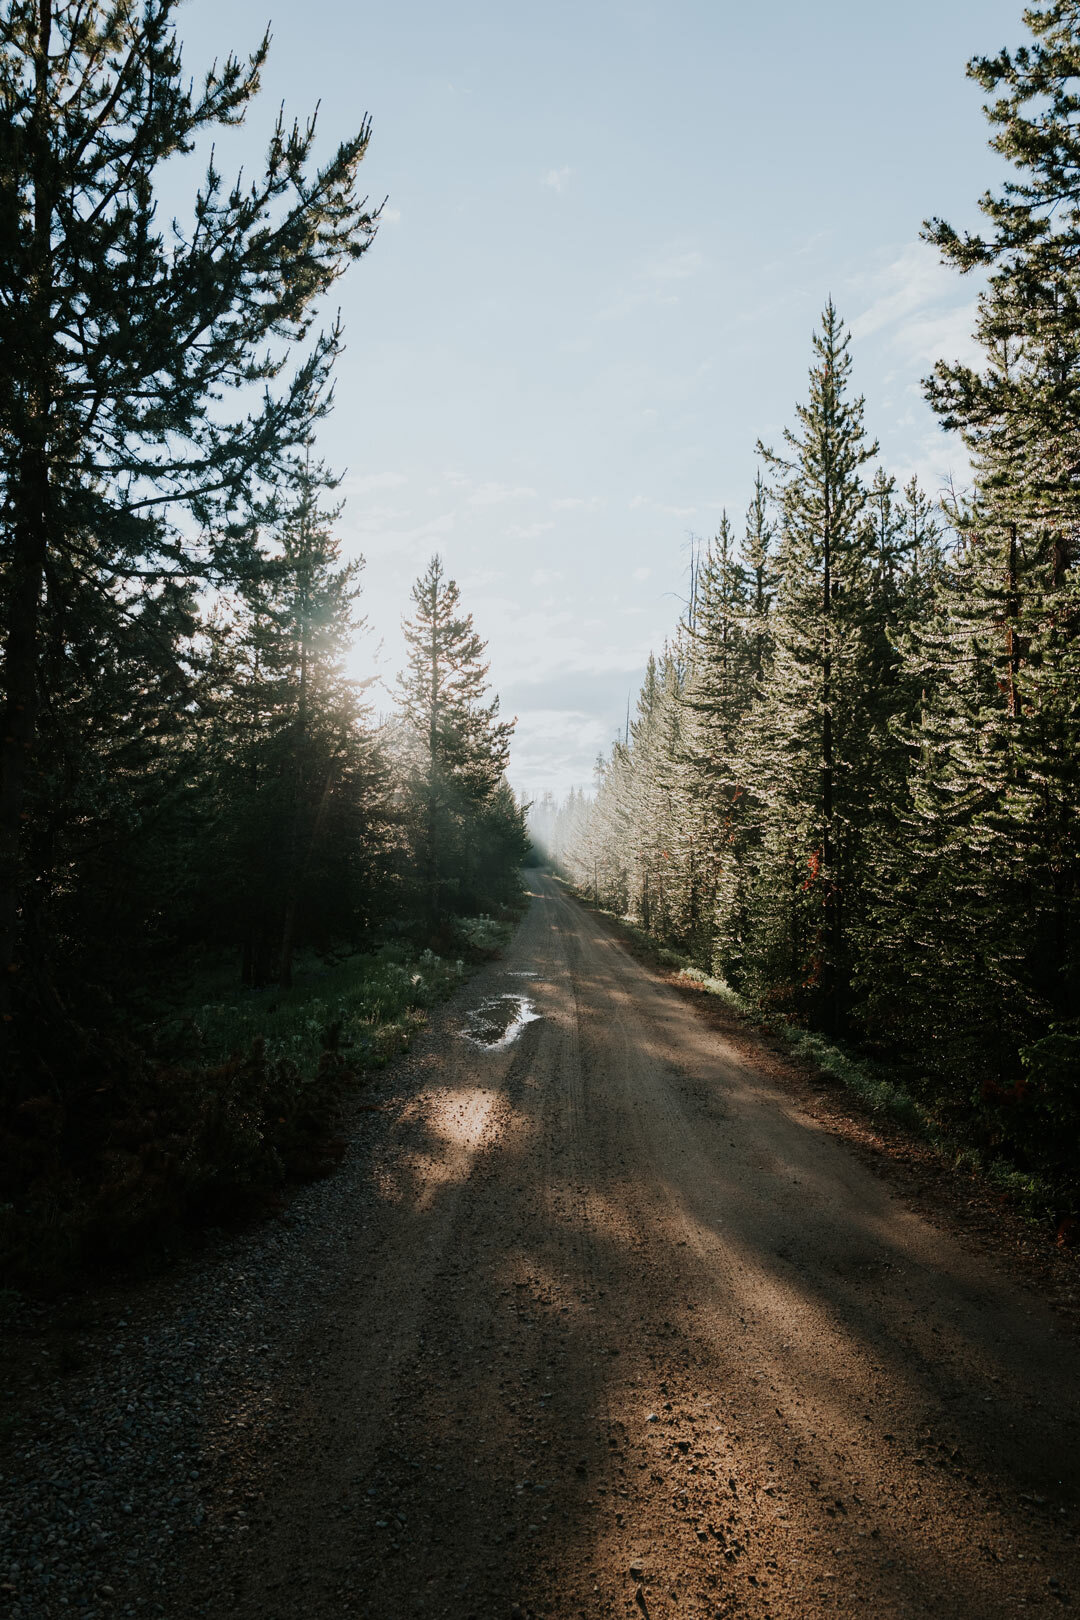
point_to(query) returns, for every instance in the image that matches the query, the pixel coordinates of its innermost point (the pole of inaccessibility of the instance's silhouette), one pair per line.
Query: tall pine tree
(457, 747)
(122, 345)
(1010, 695)
(809, 759)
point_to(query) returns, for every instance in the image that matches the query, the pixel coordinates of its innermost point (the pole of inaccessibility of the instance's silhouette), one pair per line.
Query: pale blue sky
(610, 230)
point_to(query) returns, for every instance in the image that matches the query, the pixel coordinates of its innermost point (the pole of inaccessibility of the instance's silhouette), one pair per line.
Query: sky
(609, 231)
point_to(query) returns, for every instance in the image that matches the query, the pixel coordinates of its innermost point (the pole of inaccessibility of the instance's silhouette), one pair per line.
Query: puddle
(523, 973)
(499, 1021)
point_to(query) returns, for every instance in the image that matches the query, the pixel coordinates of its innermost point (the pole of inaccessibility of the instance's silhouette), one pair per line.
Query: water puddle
(523, 973)
(498, 1022)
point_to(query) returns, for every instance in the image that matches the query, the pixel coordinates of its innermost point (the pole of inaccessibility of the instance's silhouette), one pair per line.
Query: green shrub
(716, 987)
(1047, 1113)
(482, 937)
(203, 1118)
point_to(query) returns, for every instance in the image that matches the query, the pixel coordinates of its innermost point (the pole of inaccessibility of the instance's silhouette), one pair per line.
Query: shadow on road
(633, 1327)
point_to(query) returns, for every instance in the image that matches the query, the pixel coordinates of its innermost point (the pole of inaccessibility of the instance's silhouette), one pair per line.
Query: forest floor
(617, 1316)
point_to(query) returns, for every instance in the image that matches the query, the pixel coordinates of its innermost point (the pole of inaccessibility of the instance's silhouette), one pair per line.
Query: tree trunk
(431, 875)
(30, 537)
(828, 851)
(295, 877)
(1012, 614)
(292, 903)
(17, 732)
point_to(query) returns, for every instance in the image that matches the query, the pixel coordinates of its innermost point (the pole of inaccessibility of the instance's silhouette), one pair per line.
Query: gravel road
(594, 1322)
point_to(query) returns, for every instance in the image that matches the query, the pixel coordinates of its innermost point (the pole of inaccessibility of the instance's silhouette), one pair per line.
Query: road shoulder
(950, 1197)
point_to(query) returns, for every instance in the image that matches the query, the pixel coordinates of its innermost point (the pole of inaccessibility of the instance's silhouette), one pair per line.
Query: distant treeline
(194, 793)
(852, 786)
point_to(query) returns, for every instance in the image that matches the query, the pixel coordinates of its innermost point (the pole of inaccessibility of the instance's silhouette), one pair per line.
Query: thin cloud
(637, 501)
(914, 312)
(527, 531)
(380, 536)
(654, 281)
(917, 307)
(494, 494)
(576, 503)
(556, 749)
(535, 645)
(487, 492)
(675, 267)
(557, 179)
(369, 483)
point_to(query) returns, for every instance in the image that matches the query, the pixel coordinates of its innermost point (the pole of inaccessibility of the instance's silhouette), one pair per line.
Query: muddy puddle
(499, 1021)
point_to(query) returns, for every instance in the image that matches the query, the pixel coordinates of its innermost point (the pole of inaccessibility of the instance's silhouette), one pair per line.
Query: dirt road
(628, 1335)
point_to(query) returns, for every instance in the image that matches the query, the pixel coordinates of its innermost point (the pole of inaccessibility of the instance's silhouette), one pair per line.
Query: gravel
(108, 1470)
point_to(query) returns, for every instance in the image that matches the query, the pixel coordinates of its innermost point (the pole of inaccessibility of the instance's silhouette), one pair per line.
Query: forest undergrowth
(209, 1111)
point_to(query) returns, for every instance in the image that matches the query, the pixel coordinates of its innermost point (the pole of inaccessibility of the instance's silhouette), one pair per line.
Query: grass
(878, 1093)
(364, 1006)
(207, 1109)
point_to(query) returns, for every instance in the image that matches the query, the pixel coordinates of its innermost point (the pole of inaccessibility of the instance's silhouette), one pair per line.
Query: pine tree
(121, 676)
(718, 690)
(999, 777)
(458, 747)
(909, 575)
(299, 781)
(121, 345)
(809, 741)
(759, 574)
(659, 841)
(543, 824)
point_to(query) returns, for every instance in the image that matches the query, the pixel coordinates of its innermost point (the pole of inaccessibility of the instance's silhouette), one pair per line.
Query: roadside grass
(877, 1089)
(365, 1006)
(205, 1109)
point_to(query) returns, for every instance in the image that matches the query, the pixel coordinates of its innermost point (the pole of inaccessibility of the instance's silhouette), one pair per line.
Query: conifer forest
(850, 786)
(426, 1194)
(194, 791)
(849, 789)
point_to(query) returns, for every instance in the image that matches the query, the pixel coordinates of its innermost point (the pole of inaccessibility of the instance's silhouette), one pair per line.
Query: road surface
(627, 1334)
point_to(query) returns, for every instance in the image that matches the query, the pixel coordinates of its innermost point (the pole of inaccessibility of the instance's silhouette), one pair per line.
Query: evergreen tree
(718, 689)
(121, 466)
(543, 825)
(812, 697)
(658, 835)
(300, 783)
(1008, 699)
(759, 575)
(810, 748)
(457, 746)
(122, 674)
